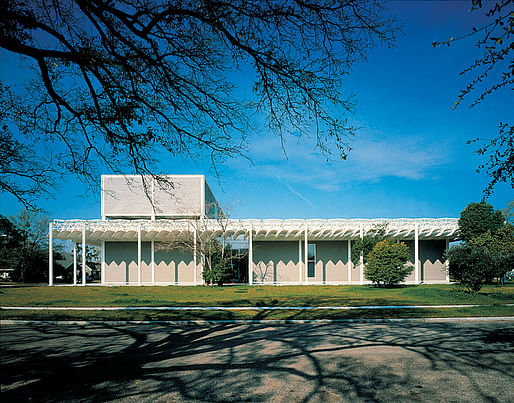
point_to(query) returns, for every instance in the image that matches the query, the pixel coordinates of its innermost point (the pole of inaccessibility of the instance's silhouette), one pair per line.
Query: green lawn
(252, 296)
(494, 298)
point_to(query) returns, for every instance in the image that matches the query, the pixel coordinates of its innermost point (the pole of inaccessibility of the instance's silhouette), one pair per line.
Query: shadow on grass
(255, 362)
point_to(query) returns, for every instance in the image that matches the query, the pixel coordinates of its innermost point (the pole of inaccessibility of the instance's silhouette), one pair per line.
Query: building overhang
(98, 231)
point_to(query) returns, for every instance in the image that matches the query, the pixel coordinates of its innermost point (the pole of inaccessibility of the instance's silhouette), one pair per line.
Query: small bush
(387, 263)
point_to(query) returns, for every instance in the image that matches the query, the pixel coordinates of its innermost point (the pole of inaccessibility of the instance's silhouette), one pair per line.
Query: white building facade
(141, 216)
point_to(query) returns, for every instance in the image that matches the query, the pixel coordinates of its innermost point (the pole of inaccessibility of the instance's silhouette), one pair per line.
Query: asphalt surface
(402, 361)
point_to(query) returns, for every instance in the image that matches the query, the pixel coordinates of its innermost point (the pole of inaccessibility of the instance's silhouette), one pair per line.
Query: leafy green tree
(498, 248)
(508, 212)
(218, 268)
(368, 242)
(488, 248)
(478, 218)
(469, 265)
(387, 263)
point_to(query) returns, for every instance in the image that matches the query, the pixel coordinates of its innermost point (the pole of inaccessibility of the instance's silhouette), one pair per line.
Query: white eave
(263, 230)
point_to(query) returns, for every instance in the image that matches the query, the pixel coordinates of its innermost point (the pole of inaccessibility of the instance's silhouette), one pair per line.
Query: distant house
(139, 213)
(6, 273)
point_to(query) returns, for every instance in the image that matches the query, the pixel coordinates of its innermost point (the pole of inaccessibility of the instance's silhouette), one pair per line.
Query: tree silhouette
(119, 80)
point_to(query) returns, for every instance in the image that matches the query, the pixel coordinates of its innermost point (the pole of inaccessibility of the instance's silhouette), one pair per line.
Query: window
(311, 260)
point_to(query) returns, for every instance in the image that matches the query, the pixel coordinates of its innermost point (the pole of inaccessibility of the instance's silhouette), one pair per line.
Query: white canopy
(288, 229)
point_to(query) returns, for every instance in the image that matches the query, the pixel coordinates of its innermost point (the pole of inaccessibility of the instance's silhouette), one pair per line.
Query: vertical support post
(102, 272)
(84, 254)
(447, 263)
(138, 253)
(194, 255)
(153, 200)
(74, 263)
(416, 254)
(152, 257)
(250, 256)
(361, 266)
(306, 254)
(349, 261)
(50, 255)
(300, 260)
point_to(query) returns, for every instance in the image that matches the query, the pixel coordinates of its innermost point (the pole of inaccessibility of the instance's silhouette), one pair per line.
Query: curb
(253, 322)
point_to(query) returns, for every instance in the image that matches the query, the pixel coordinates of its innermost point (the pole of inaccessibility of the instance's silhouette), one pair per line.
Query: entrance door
(311, 260)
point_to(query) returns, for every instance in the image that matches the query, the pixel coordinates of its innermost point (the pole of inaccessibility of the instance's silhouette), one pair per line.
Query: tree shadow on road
(307, 362)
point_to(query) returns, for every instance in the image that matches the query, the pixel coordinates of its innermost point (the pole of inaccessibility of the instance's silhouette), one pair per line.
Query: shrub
(387, 263)
(220, 272)
(470, 265)
(485, 257)
(218, 268)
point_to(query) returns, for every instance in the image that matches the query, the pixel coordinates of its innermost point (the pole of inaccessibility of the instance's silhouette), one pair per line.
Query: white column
(50, 255)
(416, 254)
(250, 256)
(74, 263)
(306, 254)
(361, 268)
(447, 263)
(139, 254)
(300, 261)
(194, 253)
(349, 261)
(84, 254)
(153, 200)
(102, 273)
(152, 257)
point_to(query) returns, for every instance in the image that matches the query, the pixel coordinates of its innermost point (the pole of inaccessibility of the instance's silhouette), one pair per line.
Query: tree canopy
(117, 80)
(478, 218)
(487, 250)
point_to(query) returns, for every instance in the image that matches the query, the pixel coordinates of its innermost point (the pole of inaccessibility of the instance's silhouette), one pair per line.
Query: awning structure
(98, 231)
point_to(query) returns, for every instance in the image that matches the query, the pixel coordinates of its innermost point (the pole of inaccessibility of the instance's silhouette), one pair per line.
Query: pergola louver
(162, 230)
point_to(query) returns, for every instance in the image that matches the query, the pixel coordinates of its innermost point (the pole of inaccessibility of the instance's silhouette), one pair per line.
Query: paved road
(403, 361)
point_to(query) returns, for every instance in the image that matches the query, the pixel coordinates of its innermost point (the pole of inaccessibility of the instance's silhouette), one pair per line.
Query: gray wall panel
(275, 261)
(121, 262)
(174, 266)
(332, 258)
(432, 262)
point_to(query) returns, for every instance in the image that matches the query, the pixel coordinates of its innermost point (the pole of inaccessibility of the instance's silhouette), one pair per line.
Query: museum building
(143, 216)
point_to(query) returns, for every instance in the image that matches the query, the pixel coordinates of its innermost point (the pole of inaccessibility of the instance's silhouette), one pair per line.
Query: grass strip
(315, 295)
(493, 310)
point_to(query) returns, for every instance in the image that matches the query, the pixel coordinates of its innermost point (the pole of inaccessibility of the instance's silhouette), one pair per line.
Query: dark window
(311, 260)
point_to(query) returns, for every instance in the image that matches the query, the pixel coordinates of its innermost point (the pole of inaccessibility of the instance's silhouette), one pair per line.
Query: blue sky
(409, 159)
